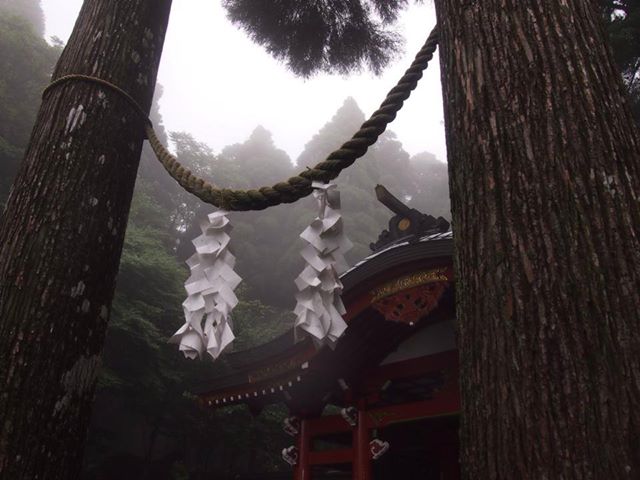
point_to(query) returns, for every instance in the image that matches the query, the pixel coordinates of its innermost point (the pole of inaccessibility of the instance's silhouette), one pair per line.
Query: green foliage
(29, 10)
(259, 238)
(145, 309)
(326, 35)
(144, 381)
(254, 322)
(256, 158)
(266, 243)
(26, 61)
(334, 133)
(385, 163)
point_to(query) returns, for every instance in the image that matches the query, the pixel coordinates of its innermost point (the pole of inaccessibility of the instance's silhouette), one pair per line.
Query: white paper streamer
(210, 293)
(319, 307)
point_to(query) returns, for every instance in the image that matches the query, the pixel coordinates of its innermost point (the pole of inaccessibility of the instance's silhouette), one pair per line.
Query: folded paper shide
(210, 290)
(211, 286)
(319, 308)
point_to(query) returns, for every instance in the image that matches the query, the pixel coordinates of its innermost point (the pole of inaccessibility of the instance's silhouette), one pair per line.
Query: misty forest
(541, 188)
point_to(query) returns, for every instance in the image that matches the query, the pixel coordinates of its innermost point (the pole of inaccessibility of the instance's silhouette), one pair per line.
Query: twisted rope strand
(296, 187)
(300, 186)
(86, 78)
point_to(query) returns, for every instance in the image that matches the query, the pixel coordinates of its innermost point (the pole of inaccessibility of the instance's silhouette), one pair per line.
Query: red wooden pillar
(362, 437)
(303, 469)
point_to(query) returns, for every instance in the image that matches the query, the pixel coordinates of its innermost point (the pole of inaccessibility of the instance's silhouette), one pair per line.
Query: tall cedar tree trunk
(62, 236)
(544, 162)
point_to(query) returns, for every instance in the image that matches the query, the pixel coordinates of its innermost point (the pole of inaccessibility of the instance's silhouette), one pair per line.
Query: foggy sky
(219, 86)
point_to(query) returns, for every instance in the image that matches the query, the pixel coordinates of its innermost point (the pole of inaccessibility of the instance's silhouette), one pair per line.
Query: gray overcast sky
(218, 85)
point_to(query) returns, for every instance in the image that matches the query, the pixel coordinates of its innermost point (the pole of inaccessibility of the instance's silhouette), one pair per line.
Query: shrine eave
(283, 370)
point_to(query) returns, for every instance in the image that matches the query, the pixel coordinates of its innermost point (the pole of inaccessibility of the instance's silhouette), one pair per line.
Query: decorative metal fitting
(291, 426)
(350, 414)
(290, 455)
(378, 448)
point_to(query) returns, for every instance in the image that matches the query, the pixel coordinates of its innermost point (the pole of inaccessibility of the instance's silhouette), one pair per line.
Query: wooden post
(544, 168)
(303, 469)
(62, 234)
(362, 437)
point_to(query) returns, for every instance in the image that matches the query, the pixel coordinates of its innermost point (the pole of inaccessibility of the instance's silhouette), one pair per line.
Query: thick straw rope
(295, 187)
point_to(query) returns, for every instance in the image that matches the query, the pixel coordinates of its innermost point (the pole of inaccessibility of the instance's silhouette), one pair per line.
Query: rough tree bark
(544, 164)
(62, 236)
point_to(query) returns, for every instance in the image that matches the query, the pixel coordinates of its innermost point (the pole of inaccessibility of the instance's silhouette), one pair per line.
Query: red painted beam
(328, 424)
(343, 455)
(446, 402)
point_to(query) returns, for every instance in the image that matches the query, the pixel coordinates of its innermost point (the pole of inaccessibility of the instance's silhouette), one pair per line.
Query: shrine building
(391, 380)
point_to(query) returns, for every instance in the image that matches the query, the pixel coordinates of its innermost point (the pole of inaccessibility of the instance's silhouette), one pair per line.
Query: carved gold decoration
(409, 281)
(413, 304)
(404, 224)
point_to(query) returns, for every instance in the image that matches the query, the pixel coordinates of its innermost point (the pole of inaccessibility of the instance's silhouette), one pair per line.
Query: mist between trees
(145, 424)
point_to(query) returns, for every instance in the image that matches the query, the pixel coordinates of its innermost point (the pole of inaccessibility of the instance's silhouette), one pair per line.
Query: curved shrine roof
(283, 369)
